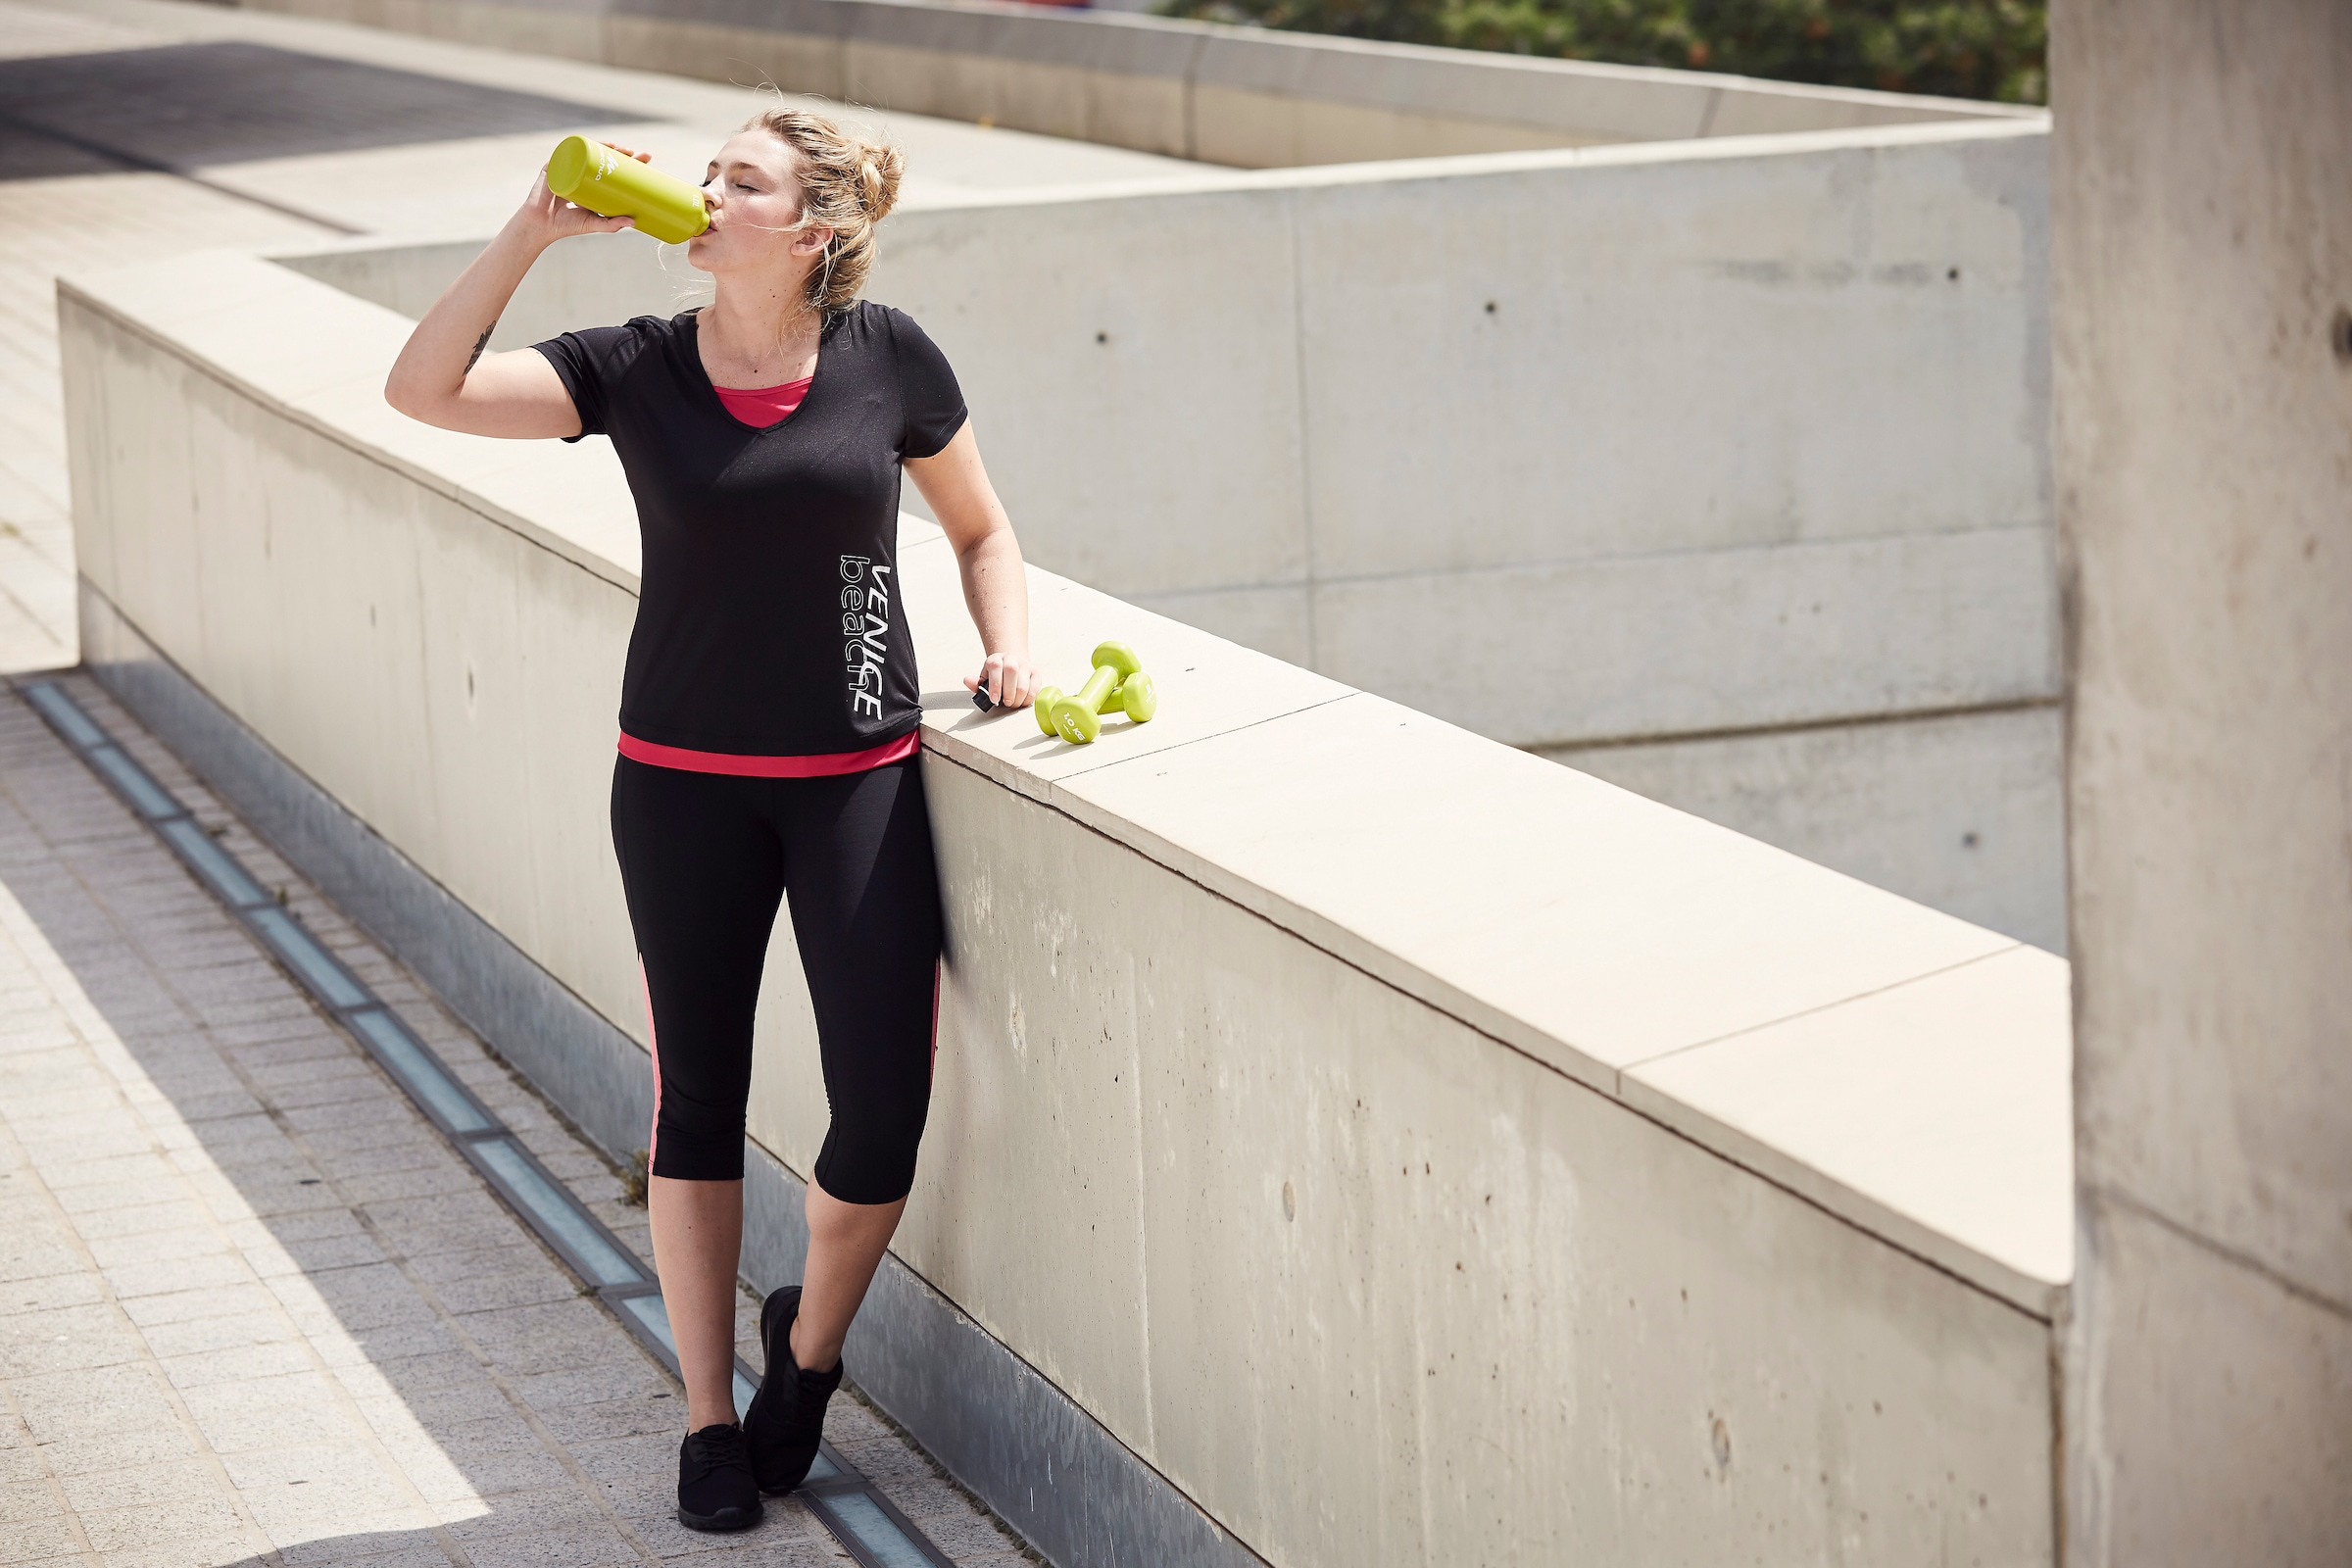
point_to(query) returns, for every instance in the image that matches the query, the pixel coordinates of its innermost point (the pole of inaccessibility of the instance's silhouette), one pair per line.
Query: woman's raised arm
(442, 377)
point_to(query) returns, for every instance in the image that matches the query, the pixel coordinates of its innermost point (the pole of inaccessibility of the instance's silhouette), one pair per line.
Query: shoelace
(717, 1449)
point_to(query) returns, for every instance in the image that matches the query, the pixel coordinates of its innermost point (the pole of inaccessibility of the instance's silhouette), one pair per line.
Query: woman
(768, 717)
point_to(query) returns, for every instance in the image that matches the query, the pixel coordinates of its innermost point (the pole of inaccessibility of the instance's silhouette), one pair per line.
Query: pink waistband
(822, 766)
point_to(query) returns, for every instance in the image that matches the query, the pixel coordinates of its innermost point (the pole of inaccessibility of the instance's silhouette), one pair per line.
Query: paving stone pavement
(253, 1309)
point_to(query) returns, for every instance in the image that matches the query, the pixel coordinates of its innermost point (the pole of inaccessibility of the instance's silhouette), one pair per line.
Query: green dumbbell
(1048, 695)
(1118, 681)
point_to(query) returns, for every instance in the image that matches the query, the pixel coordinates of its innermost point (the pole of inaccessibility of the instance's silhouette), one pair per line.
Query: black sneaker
(787, 1417)
(715, 1489)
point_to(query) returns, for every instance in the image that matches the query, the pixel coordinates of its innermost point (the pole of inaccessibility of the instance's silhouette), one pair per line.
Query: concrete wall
(1627, 445)
(1964, 812)
(1222, 95)
(2205, 452)
(1410, 1150)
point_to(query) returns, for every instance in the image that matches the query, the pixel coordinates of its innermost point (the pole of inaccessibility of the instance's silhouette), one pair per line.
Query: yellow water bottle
(593, 175)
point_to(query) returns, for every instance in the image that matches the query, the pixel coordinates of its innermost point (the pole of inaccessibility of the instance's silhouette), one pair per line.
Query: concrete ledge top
(1902, 1068)
(1561, 94)
(1211, 179)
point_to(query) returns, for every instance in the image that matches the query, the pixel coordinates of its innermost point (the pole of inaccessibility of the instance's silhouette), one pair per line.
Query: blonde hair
(847, 184)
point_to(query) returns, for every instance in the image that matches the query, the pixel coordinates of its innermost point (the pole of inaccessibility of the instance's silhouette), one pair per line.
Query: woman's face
(754, 199)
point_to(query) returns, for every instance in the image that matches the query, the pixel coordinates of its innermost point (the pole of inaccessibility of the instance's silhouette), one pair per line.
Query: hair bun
(878, 173)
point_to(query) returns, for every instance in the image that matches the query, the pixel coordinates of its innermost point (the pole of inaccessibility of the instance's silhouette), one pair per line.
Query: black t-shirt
(770, 623)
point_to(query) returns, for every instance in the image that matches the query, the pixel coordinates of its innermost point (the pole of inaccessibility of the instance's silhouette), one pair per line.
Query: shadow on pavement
(189, 106)
(303, 1283)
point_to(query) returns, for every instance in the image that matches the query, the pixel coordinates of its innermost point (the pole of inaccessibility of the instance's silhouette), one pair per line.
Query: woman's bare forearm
(441, 376)
(996, 590)
(430, 373)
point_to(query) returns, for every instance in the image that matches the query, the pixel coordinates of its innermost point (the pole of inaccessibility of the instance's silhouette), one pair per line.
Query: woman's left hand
(1009, 679)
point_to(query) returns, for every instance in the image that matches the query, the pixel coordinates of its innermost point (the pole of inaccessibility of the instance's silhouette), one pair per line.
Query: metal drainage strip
(866, 1522)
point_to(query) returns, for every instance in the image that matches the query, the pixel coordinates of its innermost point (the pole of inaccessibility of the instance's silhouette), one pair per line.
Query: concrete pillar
(2202, 202)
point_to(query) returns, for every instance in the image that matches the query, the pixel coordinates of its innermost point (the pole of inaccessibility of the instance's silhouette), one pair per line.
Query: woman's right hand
(550, 218)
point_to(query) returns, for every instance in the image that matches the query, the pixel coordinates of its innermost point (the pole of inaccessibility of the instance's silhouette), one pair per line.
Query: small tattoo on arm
(479, 344)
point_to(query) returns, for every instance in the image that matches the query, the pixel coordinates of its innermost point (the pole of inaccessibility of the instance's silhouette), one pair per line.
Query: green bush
(1957, 48)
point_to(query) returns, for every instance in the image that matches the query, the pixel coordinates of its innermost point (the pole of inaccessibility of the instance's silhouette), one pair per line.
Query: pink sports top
(762, 406)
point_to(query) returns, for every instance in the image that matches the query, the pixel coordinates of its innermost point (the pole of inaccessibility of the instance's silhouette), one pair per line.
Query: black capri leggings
(703, 858)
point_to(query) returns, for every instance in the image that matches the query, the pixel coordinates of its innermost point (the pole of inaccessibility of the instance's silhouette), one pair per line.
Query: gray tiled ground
(252, 1310)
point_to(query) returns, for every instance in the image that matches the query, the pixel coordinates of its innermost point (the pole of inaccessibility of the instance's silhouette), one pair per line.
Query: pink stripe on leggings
(652, 1041)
